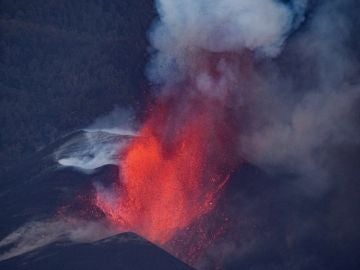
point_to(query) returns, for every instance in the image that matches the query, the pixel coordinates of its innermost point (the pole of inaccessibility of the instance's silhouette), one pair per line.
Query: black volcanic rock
(125, 251)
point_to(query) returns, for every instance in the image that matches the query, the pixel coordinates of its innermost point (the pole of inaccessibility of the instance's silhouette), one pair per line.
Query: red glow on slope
(173, 177)
(175, 170)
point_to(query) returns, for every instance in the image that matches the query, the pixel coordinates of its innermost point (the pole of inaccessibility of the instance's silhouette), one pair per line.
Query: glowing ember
(173, 173)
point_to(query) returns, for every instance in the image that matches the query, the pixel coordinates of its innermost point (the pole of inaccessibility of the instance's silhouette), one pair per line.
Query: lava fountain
(173, 173)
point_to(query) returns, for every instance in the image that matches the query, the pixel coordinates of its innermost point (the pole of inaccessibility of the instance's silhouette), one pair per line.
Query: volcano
(49, 203)
(46, 220)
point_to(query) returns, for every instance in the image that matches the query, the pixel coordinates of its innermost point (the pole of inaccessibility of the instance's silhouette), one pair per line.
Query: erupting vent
(173, 173)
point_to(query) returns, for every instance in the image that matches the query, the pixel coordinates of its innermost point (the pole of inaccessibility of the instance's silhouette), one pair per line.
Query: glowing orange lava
(173, 171)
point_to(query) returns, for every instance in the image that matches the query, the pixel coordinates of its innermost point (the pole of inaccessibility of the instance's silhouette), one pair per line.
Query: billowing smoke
(306, 99)
(186, 28)
(291, 69)
(298, 89)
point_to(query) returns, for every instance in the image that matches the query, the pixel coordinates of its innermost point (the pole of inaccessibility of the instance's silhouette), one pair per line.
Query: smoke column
(174, 172)
(186, 28)
(205, 67)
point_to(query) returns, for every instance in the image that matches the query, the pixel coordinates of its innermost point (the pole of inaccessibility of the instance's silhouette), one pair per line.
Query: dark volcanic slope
(121, 252)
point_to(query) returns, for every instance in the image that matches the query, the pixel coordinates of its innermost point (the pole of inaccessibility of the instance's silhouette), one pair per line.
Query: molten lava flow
(173, 172)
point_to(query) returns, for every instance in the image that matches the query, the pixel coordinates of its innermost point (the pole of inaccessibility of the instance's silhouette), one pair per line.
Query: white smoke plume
(99, 144)
(287, 124)
(91, 150)
(186, 27)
